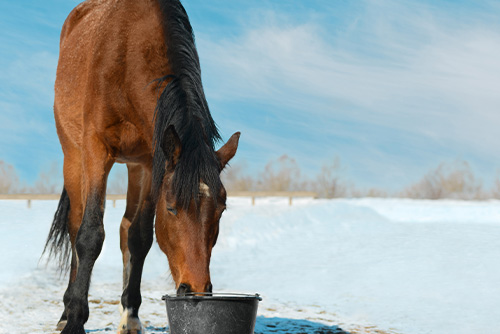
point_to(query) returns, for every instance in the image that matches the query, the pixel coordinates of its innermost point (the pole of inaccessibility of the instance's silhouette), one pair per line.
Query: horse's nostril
(183, 289)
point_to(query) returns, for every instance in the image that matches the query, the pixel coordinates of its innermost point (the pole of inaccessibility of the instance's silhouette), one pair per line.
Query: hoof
(73, 330)
(127, 331)
(61, 324)
(129, 324)
(130, 331)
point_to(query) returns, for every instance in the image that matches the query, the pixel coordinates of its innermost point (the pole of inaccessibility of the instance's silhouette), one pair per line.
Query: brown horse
(128, 90)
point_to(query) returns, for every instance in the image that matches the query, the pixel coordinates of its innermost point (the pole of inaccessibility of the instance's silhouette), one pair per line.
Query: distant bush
(454, 180)
(371, 192)
(449, 180)
(9, 180)
(49, 181)
(234, 179)
(495, 191)
(328, 183)
(282, 174)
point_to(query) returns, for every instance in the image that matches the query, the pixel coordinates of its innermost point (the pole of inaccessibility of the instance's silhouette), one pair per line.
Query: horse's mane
(182, 104)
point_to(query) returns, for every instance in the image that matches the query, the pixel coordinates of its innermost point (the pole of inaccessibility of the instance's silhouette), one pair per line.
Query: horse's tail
(58, 243)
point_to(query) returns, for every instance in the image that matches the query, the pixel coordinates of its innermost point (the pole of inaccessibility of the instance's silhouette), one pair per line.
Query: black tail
(58, 243)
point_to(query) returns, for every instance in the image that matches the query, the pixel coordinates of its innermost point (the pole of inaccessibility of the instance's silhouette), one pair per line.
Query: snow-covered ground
(400, 266)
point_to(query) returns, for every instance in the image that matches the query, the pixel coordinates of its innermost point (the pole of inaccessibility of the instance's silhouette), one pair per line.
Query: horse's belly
(127, 143)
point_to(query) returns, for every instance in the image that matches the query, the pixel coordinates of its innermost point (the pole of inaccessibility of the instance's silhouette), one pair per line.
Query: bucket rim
(212, 296)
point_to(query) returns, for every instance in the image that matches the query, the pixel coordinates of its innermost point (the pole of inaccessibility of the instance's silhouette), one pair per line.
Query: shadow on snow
(293, 326)
(267, 325)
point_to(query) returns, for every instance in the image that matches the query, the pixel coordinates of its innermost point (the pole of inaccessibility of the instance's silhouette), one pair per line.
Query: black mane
(182, 104)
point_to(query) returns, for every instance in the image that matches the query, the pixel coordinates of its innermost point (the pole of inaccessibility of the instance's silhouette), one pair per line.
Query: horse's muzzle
(185, 289)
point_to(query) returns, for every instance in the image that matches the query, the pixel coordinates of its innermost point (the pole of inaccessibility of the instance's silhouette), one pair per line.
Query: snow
(395, 265)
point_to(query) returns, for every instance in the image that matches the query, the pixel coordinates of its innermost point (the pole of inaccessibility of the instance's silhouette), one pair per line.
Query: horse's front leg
(140, 239)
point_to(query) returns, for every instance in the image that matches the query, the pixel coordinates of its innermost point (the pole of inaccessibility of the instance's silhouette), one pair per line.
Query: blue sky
(393, 88)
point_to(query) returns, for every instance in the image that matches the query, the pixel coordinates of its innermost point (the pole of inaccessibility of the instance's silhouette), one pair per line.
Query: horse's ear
(227, 152)
(171, 146)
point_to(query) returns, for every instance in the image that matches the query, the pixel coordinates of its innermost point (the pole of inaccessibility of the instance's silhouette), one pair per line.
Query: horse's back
(110, 50)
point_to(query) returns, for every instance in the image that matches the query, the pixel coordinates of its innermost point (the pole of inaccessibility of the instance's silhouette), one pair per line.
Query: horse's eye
(172, 210)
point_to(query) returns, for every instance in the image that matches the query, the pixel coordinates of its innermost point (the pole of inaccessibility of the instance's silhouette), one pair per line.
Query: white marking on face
(204, 189)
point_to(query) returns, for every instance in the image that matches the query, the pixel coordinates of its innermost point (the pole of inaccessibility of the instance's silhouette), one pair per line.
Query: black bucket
(212, 313)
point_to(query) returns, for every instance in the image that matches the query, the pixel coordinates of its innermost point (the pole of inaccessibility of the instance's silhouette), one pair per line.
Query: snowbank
(402, 265)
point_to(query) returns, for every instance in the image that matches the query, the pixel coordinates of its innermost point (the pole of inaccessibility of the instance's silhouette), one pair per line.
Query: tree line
(455, 180)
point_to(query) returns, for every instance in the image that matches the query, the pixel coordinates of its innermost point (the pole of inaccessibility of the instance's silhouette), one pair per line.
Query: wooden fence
(251, 194)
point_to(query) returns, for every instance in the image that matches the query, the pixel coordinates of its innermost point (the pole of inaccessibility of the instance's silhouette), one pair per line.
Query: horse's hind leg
(90, 237)
(139, 238)
(72, 184)
(64, 317)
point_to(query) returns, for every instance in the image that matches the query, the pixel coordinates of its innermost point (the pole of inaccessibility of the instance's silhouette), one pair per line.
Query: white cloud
(27, 131)
(30, 77)
(409, 67)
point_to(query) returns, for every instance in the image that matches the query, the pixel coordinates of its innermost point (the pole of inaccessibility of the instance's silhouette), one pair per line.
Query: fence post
(290, 201)
(29, 204)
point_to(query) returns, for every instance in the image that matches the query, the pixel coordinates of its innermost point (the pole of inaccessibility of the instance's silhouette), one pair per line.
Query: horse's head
(187, 232)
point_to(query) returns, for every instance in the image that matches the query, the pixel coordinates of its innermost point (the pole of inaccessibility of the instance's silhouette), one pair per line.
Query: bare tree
(234, 179)
(282, 174)
(455, 180)
(9, 180)
(49, 181)
(448, 180)
(371, 192)
(495, 191)
(328, 183)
